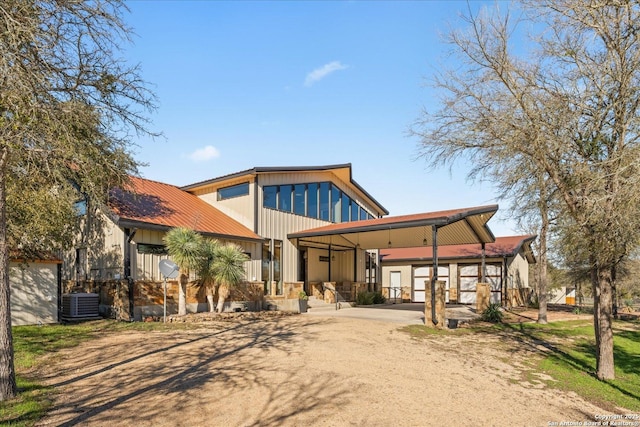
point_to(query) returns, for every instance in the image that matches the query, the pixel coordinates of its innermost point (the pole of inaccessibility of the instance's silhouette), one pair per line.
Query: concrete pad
(406, 313)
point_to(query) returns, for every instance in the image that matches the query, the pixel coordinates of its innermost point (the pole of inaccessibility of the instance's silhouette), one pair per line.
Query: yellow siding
(239, 208)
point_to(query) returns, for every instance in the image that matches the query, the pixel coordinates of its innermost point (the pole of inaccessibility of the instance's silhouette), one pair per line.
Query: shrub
(369, 298)
(493, 313)
(378, 298)
(364, 298)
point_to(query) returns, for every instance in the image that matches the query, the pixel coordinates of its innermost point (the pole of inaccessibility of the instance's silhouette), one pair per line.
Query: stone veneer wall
(149, 296)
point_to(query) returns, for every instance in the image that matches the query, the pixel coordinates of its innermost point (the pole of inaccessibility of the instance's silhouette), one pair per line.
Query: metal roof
(455, 227)
(159, 206)
(503, 247)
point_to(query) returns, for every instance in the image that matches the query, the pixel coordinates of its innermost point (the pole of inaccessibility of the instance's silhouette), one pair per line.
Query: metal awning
(455, 227)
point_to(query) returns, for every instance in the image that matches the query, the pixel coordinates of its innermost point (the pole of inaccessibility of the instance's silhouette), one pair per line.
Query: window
(233, 191)
(312, 200)
(346, 204)
(335, 204)
(277, 262)
(299, 199)
(284, 199)
(324, 201)
(144, 248)
(271, 265)
(270, 196)
(266, 266)
(354, 210)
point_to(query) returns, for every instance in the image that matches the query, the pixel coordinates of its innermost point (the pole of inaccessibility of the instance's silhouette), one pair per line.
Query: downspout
(504, 281)
(255, 206)
(128, 237)
(329, 262)
(434, 278)
(59, 269)
(355, 264)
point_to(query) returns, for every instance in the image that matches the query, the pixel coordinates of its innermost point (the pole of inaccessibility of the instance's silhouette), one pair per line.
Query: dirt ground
(299, 371)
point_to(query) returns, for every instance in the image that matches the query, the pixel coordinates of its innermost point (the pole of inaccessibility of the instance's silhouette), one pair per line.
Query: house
(506, 269)
(35, 290)
(304, 228)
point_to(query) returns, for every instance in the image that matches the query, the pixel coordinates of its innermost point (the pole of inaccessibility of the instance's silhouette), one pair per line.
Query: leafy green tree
(566, 107)
(69, 106)
(228, 268)
(185, 247)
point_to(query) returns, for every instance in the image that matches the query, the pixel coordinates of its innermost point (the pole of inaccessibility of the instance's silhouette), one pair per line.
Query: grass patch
(32, 343)
(566, 353)
(570, 360)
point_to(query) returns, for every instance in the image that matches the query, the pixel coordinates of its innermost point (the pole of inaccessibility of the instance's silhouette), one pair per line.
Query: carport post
(434, 278)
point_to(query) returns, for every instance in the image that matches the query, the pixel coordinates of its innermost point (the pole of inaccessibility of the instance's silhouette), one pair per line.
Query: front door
(395, 290)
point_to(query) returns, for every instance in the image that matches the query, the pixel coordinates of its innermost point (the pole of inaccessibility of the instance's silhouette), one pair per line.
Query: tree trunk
(603, 322)
(223, 294)
(210, 303)
(543, 207)
(7, 371)
(182, 298)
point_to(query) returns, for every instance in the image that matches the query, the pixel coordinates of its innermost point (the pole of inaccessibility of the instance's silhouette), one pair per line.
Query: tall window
(299, 199)
(277, 265)
(284, 199)
(324, 201)
(346, 204)
(335, 204)
(272, 265)
(266, 266)
(312, 200)
(355, 211)
(270, 195)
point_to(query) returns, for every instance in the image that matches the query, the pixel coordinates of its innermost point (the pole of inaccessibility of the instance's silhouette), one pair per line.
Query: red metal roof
(503, 246)
(163, 206)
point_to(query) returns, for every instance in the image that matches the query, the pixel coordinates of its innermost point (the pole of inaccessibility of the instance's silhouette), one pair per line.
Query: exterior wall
(34, 293)
(517, 274)
(103, 241)
(406, 279)
(241, 208)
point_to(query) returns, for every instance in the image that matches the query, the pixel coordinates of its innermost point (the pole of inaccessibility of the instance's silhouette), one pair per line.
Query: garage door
(422, 274)
(469, 276)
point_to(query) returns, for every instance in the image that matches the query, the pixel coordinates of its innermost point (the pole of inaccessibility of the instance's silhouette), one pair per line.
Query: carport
(449, 227)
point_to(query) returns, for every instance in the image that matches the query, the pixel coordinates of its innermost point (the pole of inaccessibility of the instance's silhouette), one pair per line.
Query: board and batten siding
(145, 266)
(34, 293)
(517, 271)
(240, 208)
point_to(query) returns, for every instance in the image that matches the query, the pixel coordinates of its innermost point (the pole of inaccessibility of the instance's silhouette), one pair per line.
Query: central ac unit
(80, 306)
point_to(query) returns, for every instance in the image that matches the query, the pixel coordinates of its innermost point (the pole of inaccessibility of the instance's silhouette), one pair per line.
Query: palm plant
(184, 246)
(205, 269)
(228, 270)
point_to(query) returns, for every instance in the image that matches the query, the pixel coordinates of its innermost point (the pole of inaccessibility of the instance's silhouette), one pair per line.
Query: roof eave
(130, 223)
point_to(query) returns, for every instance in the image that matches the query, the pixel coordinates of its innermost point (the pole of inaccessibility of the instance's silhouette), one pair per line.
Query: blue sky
(300, 83)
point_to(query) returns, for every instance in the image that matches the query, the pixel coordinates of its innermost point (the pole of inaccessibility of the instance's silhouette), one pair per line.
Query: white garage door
(422, 274)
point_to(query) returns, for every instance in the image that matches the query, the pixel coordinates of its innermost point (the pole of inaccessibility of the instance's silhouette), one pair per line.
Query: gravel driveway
(300, 371)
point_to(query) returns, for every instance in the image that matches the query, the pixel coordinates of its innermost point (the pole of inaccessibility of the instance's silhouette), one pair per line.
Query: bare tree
(568, 110)
(69, 107)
